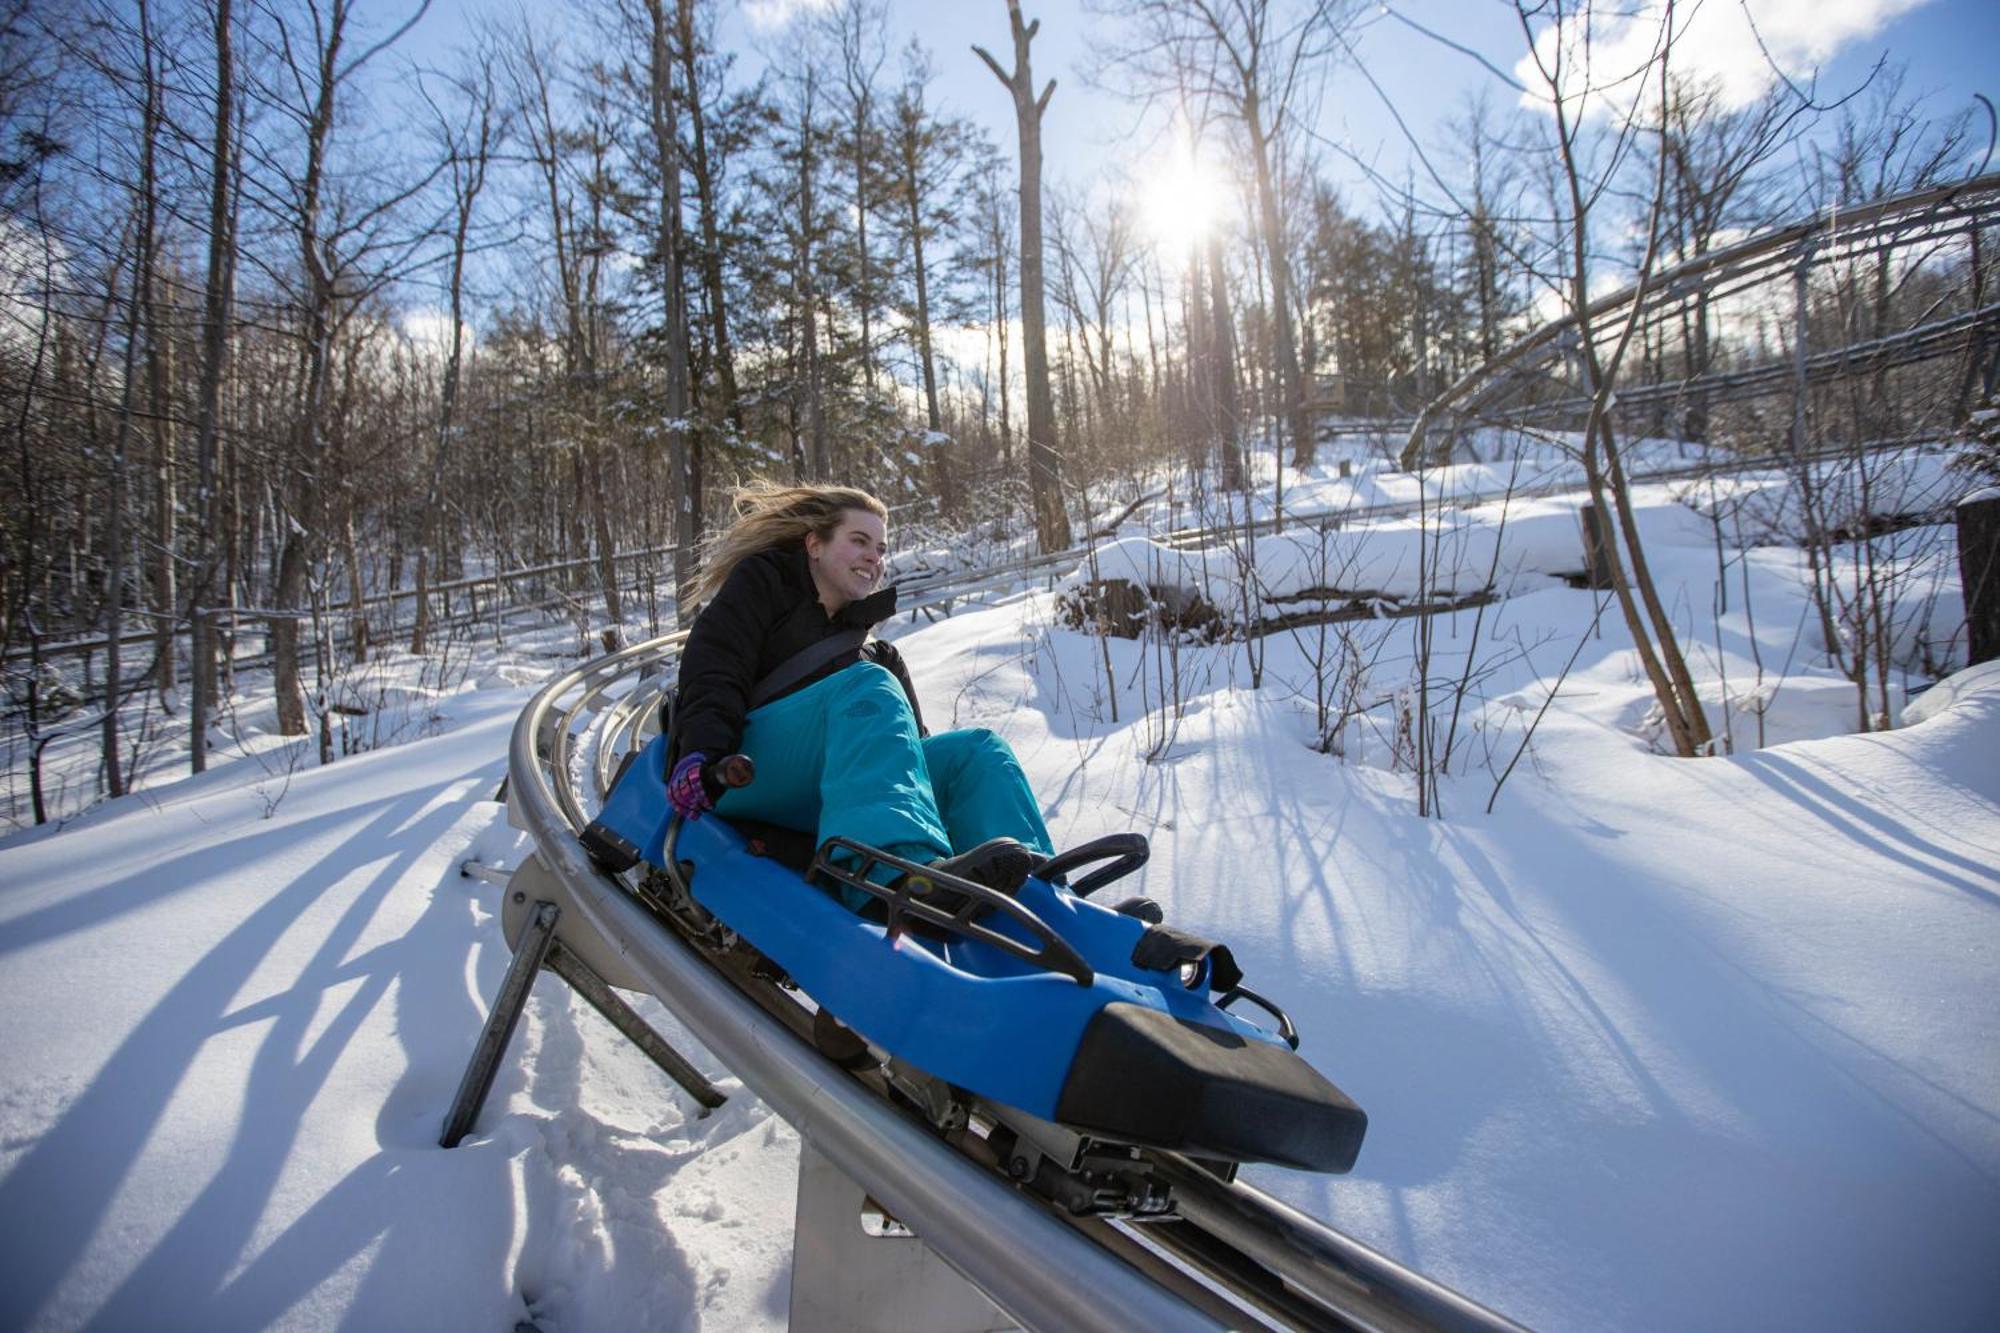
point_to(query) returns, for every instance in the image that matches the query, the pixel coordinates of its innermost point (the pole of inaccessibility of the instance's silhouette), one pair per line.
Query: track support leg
(537, 947)
(621, 1016)
(529, 954)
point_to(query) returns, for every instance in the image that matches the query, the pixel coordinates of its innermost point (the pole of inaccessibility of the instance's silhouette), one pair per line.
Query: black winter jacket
(766, 611)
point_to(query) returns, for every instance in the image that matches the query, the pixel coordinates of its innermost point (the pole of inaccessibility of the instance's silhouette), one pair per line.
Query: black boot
(997, 863)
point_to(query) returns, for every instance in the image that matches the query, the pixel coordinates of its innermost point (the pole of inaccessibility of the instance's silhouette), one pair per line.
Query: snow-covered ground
(1656, 1044)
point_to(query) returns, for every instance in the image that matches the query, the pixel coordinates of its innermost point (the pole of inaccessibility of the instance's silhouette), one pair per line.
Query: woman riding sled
(775, 668)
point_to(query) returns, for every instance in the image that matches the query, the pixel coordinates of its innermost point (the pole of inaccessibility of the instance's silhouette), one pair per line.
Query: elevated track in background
(1536, 381)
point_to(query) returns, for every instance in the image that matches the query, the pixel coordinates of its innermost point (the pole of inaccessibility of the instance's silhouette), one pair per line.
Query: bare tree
(1044, 461)
(800, 135)
(217, 288)
(580, 247)
(468, 135)
(684, 445)
(929, 153)
(860, 38)
(1714, 153)
(692, 38)
(1259, 61)
(1561, 55)
(995, 239)
(144, 251)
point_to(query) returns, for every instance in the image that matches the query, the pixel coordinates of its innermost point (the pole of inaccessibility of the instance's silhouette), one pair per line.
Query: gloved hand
(685, 790)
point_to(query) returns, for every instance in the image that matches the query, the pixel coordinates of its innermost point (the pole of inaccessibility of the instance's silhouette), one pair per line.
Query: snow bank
(1974, 682)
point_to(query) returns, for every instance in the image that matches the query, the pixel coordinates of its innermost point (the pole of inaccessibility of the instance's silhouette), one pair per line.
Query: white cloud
(1713, 39)
(429, 332)
(769, 15)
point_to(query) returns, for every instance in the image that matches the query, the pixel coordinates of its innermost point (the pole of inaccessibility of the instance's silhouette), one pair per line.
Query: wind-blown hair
(769, 515)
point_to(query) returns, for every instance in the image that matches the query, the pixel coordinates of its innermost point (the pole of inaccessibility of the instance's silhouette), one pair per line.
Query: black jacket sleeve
(720, 660)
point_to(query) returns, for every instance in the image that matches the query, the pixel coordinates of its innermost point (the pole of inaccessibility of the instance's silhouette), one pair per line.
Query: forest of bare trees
(290, 319)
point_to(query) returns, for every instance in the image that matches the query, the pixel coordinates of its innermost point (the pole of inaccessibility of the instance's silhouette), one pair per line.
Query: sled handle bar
(1126, 852)
(905, 899)
(1289, 1033)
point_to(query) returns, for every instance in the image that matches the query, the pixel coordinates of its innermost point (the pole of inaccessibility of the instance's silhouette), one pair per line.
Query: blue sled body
(1132, 1054)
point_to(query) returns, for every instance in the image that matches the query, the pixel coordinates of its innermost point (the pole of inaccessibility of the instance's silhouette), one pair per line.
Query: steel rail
(388, 630)
(1829, 237)
(1931, 341)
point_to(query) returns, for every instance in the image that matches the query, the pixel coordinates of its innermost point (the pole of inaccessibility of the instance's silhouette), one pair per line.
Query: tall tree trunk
(864, 283)
(805, 294)
(913, 196)
(140, 306)
(684, 445)
(357, 592)
(468, 179)
(1052, 529)
(114, 523)
(1291, 387)
(607, 550)
(208, 393)
(304, 494)
(159, 392)
(1001, 322)
(711, 245)
(289, 593)
(1222, 371)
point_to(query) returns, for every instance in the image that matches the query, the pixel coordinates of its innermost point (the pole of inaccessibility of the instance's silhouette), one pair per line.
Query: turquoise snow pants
(842, 757)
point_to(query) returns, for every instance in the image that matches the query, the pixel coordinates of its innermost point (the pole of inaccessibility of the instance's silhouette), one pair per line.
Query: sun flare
(1181, 203)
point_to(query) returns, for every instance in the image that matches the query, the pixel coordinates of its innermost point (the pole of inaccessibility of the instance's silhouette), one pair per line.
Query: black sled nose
(1146, 1077)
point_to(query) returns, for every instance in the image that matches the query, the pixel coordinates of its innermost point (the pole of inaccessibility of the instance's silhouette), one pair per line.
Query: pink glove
(685, 790)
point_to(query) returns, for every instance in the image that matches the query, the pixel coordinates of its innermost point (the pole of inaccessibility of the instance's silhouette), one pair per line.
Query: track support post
(622, 1016)
(529, 953)
(854, 1270)
(536, 946)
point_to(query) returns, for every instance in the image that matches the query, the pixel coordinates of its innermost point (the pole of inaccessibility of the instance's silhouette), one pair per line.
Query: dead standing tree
(1044, 462)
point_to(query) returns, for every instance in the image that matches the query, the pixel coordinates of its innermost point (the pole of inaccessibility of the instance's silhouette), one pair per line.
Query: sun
(1180, 202)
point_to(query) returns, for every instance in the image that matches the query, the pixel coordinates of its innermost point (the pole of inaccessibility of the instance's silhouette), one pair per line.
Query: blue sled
(1034, 1001)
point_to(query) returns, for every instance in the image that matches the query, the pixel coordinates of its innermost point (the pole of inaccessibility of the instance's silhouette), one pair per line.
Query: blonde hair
(768, 515)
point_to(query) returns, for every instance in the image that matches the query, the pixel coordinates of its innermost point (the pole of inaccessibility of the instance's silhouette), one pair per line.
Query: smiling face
(847, 565)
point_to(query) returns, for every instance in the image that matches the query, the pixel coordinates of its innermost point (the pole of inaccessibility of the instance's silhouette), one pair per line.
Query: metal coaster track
(1928, 217)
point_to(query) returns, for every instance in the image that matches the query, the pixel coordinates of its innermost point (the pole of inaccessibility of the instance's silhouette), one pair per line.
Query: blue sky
(1952, 49)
